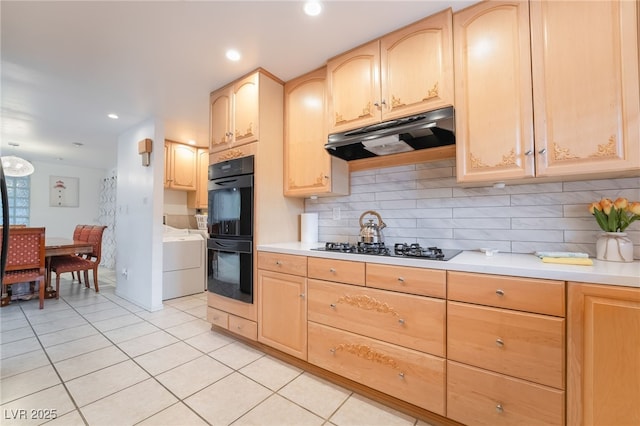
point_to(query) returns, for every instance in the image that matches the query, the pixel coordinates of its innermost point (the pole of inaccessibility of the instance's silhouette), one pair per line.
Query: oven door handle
(245, 181)
(233, 246)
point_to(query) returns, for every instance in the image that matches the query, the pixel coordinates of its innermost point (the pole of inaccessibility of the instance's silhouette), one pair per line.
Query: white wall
(139, 217)
(423, 204)
(61, 221)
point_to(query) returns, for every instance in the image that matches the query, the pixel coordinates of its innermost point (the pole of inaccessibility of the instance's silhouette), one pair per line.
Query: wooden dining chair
(76, 263)
(25, 258)
(79, 235)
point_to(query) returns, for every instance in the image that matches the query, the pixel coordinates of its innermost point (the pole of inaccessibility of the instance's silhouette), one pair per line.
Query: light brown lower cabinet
(238, 325)
(480, 397)
(282, 312)
(603, 355)
(408, 320)
(409, 375)
(520, 344)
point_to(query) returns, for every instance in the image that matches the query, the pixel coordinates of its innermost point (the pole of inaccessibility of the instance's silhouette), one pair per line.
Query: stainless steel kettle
(371, 232)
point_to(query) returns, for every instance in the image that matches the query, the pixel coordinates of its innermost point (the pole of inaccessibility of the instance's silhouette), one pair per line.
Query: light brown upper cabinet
(198, 199)
(585, 81)
(577, 86)
(405, 72)
(308, 168)
(234, 114)
(180, 166)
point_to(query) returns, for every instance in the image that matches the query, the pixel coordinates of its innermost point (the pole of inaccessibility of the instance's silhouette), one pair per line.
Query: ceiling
(67, 64)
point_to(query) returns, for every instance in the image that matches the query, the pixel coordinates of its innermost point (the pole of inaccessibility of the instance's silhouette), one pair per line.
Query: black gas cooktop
(398, 250)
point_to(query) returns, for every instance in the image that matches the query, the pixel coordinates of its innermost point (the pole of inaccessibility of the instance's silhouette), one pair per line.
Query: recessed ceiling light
(233, 55)
(77, 144)
(113, 116)
(312, 8)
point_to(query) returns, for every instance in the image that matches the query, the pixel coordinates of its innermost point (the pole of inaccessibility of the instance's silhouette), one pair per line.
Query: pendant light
(16, 166)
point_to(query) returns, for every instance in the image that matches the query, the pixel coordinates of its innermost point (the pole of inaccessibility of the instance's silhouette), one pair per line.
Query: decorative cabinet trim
(231, 154)
(507, 160)
(247, 134)
(608, 149)
(369, 303)
(319, 182)
(364, 351)
(432, 93)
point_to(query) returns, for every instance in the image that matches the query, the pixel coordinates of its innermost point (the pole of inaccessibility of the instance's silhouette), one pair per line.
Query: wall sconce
(144, 149)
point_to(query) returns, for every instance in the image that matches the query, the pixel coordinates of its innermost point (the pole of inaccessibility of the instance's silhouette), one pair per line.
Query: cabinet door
(220, 120)
(585, 79)
(183, 167)
(167, 164)
(354, 88)
(245, 109)
(494, 107)
(307, 164)
(603, 355)
(282, 312)
(417, 67)
(199, 198)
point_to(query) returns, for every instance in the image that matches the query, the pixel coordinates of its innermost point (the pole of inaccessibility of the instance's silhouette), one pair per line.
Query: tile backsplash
(422, 203)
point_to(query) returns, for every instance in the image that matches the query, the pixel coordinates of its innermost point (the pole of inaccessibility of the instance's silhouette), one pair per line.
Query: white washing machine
(183, 263)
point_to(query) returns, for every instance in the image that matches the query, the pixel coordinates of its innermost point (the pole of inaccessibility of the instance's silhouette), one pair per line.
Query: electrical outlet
(336, 213)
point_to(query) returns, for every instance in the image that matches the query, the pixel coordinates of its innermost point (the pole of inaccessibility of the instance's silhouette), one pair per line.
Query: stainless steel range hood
(422, 131)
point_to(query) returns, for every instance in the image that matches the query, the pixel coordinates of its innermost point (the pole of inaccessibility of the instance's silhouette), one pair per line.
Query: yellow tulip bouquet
(615, 216)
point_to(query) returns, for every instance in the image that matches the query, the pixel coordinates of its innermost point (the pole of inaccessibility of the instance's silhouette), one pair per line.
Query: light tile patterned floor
(97, 359)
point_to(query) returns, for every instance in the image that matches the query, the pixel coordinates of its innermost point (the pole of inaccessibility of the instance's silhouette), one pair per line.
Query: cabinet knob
(542, 151)
(332, 306)
(384, 102)
(401, 321)
(500, 292)
(332, 270)
(401, 375)
(499, 408)
(401, 279)
(376, 104)
(499, 343)
(302, 295)
(529, 152)
(278, 263)
(333, 351)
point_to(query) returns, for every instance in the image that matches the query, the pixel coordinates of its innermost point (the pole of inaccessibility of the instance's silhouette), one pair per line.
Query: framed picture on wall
(63, 191)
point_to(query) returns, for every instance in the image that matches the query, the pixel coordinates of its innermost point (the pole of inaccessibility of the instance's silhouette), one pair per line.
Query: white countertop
(523, 265)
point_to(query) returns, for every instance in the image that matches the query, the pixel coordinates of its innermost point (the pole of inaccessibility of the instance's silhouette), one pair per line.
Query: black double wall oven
(230, 227)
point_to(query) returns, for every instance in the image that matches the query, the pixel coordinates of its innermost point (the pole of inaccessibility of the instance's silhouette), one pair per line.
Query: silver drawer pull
(401, 375)
(401, 279)
(401, 321)
(332, 270)
(500, 292)
(499, 408)
(332, 306)
(499, 342)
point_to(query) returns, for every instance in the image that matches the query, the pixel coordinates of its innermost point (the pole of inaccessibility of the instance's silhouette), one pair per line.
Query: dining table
(59, 246)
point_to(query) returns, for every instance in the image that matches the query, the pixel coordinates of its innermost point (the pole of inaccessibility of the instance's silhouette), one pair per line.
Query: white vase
(614, 247)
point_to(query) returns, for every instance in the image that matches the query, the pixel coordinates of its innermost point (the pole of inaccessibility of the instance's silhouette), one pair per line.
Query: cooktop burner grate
(398, 250)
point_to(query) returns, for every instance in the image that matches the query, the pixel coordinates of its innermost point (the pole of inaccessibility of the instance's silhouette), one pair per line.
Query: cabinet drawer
(219, 318)
(343, 271)
(524, 345)
(285, 263)
(523, 294)
(243, 327)
(415, 322)
(426, 282)
(479, 397)
(403, 373)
